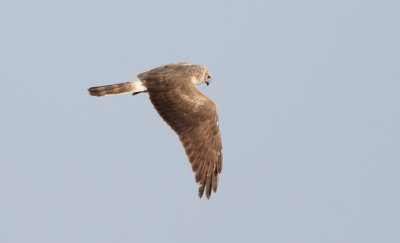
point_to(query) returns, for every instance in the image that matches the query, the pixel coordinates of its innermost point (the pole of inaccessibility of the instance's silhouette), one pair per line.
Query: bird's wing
(194, 117)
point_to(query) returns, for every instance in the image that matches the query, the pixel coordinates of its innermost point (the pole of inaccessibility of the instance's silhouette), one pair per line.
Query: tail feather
(115, 89)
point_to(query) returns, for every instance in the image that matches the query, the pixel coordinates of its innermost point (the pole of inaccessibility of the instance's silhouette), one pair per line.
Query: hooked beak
(208, 83)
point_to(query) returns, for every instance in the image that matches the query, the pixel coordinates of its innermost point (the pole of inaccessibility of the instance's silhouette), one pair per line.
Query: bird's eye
(209, 77)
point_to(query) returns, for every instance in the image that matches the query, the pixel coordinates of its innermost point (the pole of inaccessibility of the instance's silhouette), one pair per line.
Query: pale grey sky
(308, 97)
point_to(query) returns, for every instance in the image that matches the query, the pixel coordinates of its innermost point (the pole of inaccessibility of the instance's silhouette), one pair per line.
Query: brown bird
(192, 115)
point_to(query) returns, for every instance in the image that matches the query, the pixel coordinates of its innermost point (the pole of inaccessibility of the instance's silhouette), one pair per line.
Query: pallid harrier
(192, 115)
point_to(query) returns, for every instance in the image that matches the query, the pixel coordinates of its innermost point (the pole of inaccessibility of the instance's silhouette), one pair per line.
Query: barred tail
(115, 89)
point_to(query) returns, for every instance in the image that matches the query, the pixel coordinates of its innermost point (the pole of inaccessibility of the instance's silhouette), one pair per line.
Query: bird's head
(200, 74)
(207, 77)
(204, 76)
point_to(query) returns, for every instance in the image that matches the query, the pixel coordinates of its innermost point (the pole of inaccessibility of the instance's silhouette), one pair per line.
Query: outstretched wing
(194, 117)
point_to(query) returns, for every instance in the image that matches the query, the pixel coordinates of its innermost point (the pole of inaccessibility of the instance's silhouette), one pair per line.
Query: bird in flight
(192, 115)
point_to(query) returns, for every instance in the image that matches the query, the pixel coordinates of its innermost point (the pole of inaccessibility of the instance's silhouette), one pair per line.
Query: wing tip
(209, 185)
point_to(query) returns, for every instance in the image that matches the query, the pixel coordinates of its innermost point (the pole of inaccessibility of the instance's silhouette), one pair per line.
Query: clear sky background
(308, 94)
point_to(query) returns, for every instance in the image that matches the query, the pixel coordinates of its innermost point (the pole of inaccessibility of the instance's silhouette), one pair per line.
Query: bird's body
(192, 115)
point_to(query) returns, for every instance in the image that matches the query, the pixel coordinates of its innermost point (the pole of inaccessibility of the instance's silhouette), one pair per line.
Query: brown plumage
(192, 115)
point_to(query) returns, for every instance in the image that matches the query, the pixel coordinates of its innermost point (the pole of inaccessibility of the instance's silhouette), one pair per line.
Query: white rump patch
(139, 87)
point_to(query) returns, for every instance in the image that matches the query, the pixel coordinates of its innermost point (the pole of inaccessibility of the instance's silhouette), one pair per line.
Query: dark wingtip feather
(201, 190)
(215, 182)
(208, 186)
(219, 163)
